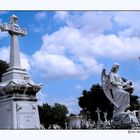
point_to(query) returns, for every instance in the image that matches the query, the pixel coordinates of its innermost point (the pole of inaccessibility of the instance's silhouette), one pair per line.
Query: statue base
(19, 112)
(125, 120)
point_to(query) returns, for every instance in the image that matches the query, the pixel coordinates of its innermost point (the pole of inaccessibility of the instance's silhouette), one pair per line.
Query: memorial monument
(118, 92)
(18, 103)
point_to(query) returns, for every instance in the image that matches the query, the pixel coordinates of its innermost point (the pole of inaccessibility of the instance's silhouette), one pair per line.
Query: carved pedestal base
(18, 112)
(125, 120)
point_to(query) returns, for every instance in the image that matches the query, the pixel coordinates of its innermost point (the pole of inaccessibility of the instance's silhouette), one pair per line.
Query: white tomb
(76, 122)
(18, 103)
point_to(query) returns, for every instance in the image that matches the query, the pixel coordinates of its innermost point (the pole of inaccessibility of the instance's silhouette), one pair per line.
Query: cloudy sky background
(66, 50)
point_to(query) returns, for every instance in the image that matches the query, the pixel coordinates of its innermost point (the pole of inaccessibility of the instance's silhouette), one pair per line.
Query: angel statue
(118, 91)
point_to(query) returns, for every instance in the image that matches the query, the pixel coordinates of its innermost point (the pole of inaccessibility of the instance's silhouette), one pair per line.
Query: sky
(67, 50)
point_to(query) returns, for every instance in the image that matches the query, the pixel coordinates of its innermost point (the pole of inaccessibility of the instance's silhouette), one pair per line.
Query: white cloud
(61, 15)
(78, 87)
(54, 66)
(4, 55)
(129, 32)
(112, 46)
(136, 85)
(127, 18)
(71, 103)
(3, 35)
(88, 22)
(25, 61)
(41, 98)
(68, 53)
(40, 16)
(65, 53)
(36, 29)
(95, 22)
(128, 22)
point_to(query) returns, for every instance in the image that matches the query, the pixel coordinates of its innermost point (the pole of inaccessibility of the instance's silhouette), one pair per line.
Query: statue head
(115, 67)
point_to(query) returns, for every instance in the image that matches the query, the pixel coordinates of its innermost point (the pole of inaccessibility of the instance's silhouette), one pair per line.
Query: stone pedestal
(125, 120)
(19, 112)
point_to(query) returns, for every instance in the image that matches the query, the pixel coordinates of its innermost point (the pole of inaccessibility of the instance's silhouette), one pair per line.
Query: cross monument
(18, 103)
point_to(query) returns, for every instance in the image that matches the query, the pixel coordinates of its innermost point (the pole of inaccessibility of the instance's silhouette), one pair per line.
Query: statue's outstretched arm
(114, 82)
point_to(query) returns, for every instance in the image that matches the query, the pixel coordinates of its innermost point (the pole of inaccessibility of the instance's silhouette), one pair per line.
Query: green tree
(134, 102)
(59, 114)
(50, 115)
(90, 100)
(3, 67)
(45, 114)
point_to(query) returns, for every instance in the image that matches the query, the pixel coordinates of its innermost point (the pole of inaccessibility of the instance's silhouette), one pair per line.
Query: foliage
(90, 100)
(3, 67)
(134, 102)
(50, 115)
(45, 114)
(71, 114)
(59, 114)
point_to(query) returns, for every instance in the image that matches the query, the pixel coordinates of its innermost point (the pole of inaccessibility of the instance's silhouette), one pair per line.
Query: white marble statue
(121, 97)
(117, 91)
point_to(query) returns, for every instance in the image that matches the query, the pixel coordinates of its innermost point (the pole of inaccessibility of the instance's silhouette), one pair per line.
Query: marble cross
(14, 30)
(98, 114)
(99, 119)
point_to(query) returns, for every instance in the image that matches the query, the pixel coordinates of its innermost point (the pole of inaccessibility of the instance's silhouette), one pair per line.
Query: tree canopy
(134, 102)
(55, 114)
(3, 67)
(90, 100)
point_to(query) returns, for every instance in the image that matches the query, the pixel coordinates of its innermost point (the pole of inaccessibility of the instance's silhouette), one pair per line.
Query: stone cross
(98, 115)
(14, 30)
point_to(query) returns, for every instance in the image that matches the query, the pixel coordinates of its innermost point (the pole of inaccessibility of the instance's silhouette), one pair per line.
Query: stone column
(14, 52)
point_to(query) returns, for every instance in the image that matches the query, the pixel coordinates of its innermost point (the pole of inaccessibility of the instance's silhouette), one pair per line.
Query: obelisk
(18, 103)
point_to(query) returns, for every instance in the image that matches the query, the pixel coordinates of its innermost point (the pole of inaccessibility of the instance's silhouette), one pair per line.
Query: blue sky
(66, 50)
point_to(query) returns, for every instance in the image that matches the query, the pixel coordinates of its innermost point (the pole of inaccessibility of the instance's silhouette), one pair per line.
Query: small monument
(75, 122)
(99, 122)
(18, 103)
(106, 122)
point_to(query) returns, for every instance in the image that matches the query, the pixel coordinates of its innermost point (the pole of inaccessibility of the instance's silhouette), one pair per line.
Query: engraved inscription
(26, 117)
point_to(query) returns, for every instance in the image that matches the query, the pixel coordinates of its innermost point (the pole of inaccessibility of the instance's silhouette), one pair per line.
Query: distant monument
(118, 92)
(18, 103)
(99, 119)
(75, 122)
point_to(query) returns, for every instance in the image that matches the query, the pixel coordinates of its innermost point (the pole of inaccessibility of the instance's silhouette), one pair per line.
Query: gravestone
(18, 103)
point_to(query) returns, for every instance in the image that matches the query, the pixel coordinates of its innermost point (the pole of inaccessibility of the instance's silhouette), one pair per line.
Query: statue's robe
(114, 92)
